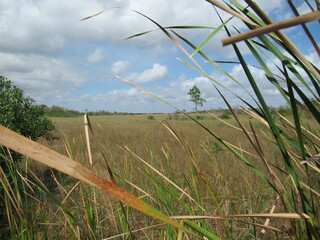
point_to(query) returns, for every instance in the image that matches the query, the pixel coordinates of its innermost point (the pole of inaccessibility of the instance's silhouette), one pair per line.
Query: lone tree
(20, 113)
(195, 97)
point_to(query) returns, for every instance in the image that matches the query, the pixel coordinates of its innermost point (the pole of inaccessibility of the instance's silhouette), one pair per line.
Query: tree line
(57, 111)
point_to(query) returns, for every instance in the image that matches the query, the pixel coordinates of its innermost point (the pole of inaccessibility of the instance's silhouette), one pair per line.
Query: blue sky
(59, 60)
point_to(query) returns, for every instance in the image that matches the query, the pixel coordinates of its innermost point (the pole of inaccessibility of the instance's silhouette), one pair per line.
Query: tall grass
(295, 195)
(200, 170)
(261, 180)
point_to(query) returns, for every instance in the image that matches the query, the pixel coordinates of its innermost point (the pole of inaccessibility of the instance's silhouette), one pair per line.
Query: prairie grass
(187, 154)
(222, 186)
(98, 214)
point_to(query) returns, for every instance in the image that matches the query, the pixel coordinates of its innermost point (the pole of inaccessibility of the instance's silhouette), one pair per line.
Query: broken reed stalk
(309, 17)
(86, 130)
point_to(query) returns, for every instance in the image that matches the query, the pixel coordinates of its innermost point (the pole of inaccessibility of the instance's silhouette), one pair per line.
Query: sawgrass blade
(169, 27)
(202, 231)
(211, 35)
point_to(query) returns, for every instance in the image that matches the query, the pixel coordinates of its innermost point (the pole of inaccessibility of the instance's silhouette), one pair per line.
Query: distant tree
(56, 111)
(195, 97)
(20, 113)
(225, 116)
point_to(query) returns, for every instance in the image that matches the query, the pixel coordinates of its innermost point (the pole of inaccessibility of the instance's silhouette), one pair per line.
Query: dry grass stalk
(232, 12)
(86, 129)
(163, 176)
(267, 222)
(314, 43)
(258, 215)
(134, 231)
(309, 17)
(312, 159)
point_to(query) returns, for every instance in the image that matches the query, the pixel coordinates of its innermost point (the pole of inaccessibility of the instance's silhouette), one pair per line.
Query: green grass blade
(165, 191)
(268, 73)
(210, 37)
(264, 105)
(169, 27)
(295, 116)
(140, 34)
(309, 105)
(201, 231)
(248, 13)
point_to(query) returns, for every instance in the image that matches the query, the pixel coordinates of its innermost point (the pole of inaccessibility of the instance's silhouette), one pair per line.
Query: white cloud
(41, 77)
(46, 26)
(304, 8)
(313, 57)
(120, 100)
(156, 73)
(98, 55)
(119, 67)
(271, 5)
(27, 26)
(176, 93)
(35, 35)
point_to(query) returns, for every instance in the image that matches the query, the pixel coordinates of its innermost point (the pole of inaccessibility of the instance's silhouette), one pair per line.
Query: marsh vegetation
(249, 174)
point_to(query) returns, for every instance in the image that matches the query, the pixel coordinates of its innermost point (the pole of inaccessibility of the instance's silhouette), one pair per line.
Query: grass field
(176, 166)
(215, 181)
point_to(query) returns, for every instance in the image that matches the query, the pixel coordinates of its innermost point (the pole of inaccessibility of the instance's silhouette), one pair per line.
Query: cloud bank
(59, 60)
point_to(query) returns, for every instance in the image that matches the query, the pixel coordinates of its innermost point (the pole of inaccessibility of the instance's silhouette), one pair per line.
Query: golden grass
(133, 131)
(177, 154)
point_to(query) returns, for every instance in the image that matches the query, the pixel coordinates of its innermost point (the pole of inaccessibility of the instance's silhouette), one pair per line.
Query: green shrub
(150, 117)
(285, 111)
(20, 113)
(213, 146)
(224, 116)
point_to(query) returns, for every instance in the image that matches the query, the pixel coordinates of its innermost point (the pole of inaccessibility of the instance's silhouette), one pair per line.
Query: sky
(57, 59)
